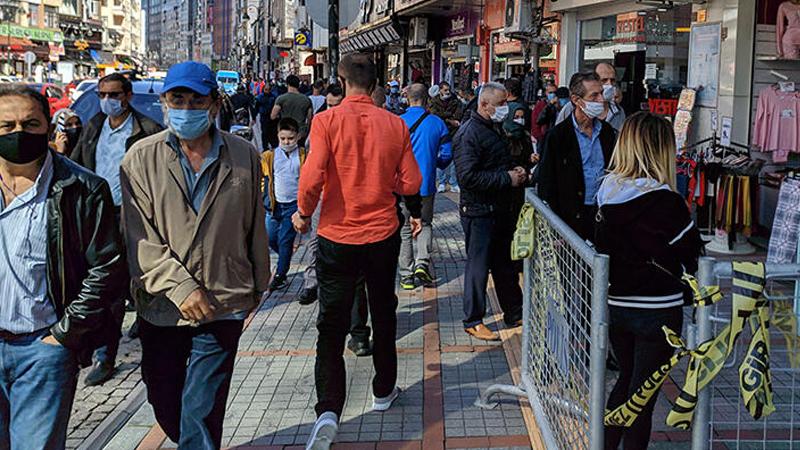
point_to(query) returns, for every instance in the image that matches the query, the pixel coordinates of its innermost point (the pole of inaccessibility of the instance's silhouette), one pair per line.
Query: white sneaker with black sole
(324, 432)
(384, 403)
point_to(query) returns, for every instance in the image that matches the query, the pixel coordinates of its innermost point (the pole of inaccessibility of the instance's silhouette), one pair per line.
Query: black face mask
(73, 134)
(22, 147)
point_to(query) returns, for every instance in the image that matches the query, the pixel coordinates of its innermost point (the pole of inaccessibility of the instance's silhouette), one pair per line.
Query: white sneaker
(455, 189)
(441, 188)
(383, 404)
(324, 432)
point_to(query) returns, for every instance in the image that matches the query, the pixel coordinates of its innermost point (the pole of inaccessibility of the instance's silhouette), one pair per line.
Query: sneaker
(324, 432)
(408, 283)
(455, 189)
(441, 188)
(278, 282)
(383, 404)
(423, 274)
(307, 297)
(359, 347)
(100, 373)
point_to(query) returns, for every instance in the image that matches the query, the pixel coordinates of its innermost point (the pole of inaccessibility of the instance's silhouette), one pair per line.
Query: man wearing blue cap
(197, 250)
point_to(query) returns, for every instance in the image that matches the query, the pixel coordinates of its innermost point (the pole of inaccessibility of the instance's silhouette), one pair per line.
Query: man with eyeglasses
(100, 148)
(612, 114)
(197, 251)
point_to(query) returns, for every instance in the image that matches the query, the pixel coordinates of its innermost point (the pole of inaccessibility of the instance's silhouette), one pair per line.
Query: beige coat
(172, 250)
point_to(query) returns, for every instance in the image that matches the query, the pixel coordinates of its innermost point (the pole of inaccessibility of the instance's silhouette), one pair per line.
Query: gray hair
(576, 83)
(417, 92)
(490, 88)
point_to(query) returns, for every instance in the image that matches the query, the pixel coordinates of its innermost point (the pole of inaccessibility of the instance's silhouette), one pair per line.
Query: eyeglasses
(115, 94)
(191, 103)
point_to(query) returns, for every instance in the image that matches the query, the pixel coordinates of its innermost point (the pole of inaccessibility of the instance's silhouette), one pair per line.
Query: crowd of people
(178, 220)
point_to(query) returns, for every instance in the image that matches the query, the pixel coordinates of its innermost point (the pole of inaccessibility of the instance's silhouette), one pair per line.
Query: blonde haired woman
(646, 229)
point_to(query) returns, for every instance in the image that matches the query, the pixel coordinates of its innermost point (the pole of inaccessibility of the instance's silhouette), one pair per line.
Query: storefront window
(649, 48)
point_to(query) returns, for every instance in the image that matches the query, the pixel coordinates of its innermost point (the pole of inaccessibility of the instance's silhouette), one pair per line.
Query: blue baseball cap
(190, 75)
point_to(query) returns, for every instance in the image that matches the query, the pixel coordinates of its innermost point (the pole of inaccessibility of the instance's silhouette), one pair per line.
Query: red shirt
(360, 155)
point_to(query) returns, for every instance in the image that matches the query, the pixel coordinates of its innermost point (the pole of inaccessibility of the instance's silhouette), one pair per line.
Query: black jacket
(651, 240)
(85, 151)
(86, 268)
(560, 172)
(482, 160)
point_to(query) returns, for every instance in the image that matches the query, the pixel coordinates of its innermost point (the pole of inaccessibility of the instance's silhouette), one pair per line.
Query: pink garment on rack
(777, 123)
(788, 34)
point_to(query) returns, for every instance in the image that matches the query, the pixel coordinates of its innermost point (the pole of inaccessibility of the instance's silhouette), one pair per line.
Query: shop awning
(16, 44)
(101, 57)
(370, 38)
(311, 60)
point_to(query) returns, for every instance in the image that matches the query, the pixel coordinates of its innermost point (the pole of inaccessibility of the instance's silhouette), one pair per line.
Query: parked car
(145, 100)
(55, 95)
(81, 88)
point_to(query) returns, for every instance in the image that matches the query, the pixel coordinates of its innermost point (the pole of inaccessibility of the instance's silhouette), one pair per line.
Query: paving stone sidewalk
(441, 371)
(94, 404)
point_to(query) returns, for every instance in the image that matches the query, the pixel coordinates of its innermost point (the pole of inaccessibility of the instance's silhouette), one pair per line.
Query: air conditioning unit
(418, 31)
(518, 16)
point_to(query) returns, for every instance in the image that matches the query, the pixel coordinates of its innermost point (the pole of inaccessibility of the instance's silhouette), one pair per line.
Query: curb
(114, 422)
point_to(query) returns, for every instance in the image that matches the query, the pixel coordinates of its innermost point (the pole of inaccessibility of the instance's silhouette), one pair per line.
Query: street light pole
(333, 38)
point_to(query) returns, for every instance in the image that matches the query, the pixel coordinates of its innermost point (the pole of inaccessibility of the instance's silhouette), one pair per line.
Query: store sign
(504, 45)
(630, 28)
(635, 28)
(302, 38)
(34, 34)
(461, 24)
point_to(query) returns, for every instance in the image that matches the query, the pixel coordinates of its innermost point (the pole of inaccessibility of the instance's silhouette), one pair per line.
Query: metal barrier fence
(564, 335)
(721, 418)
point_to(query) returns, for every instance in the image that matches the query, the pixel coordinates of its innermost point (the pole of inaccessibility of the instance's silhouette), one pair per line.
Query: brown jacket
(172, 250)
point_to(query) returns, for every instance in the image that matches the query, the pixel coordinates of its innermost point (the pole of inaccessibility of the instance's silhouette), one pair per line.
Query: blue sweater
(431, 144)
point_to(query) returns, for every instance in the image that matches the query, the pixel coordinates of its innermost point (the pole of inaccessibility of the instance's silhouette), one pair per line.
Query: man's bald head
(606, 73)
(417, 94)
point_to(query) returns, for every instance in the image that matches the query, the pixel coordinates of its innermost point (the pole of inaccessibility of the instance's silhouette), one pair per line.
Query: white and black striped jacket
(647, 231)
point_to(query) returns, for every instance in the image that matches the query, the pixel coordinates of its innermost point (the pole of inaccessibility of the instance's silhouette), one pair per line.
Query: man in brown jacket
(197, 248)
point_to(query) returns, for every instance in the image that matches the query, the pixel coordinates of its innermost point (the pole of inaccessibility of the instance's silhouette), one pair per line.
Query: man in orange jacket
(362, 158)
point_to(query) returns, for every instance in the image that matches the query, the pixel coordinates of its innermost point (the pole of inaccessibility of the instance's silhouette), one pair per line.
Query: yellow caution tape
(707, 360)
(785, 321)
(522, 243)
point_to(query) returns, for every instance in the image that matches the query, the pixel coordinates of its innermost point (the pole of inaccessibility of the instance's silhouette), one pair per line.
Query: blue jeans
(447, 176)
(187, 371)
(37, 385)
(281, 235)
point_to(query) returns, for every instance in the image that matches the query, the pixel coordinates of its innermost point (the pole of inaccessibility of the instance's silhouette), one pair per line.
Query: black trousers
(488, 242)
(359, 315)
(339, 268)
(641, 348)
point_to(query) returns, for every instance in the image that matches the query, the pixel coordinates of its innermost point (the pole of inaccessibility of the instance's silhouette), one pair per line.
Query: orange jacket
(360, 156)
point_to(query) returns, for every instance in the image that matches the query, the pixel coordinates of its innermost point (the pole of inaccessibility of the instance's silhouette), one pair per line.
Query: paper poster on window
(704, 60)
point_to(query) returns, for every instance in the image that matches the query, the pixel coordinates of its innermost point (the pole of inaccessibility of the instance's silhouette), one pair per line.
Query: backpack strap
(418, 122)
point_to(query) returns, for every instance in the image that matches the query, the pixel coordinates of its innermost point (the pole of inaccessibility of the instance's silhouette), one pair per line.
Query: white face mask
(593, 109)
(609, 92)
(500, 113)
(445, 96)
(289, 148)
(520, 120)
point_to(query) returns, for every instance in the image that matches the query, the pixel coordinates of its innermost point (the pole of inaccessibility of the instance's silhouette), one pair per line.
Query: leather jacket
(86, 268)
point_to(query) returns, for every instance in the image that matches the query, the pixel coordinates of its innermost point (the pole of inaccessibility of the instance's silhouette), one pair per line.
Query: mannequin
(788, 30)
